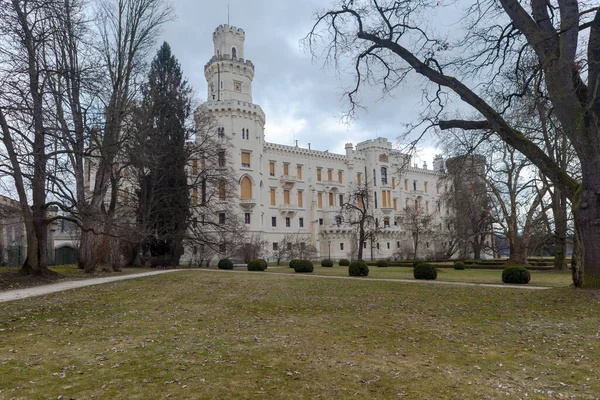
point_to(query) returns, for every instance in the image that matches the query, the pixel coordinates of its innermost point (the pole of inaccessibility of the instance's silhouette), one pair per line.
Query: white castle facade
(286, 190)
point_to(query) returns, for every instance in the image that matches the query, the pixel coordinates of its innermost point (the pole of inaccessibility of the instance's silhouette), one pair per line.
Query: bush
(256, 265)
(516, 274)
(326, 263)
(344, 262)
(293, 262)
(425, 271)
(263, 262)
(358, 268)
(225, 263)
(382, 263)
(304, 266)
(459, 265)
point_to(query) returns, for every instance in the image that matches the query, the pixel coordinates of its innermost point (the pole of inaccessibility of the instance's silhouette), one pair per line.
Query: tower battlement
(224, 28)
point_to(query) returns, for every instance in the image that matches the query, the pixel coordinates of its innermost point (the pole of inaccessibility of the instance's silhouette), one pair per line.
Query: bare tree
(254, 246)
(389, 41)
(418, 222)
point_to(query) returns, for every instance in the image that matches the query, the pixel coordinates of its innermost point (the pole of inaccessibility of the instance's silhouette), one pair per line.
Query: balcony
(387, 210)
(331, 184)
(247, 204)
(287, 181)
(288, 210)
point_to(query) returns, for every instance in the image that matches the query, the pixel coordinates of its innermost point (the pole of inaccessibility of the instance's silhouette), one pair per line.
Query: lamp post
(329, 242)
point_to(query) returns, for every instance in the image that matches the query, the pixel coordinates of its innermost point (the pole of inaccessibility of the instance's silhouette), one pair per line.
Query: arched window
(247, 134)
(243, 133)
(233, 53)
(246, 188)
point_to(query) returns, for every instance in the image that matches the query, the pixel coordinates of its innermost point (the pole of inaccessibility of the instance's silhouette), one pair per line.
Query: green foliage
(257, 265)
(304, 266)
(425, 271)
(326, 263)
(263, 262)
(516, 274)
(358, 268)
(225, 263)
(382, 263)
(344, 262)
(459, 265)
(293, 262)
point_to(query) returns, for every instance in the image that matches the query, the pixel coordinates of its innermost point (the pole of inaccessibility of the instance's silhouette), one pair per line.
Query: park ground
(208, 334)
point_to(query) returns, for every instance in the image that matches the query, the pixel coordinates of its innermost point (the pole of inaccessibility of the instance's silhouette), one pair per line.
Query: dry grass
(211, 335)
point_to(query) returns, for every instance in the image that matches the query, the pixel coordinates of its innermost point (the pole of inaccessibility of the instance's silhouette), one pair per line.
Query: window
(320, 200)
(289, 246)
(338, 220)
(271, 168)
(386, 223)
(221, 156)
(341, 246)
(329, 175)
(273, 221)
(302, 245)
(406, 184)
(340, 173)
(359, 202)
(384, 180)
(377, 246)
(286, 197)
(246, 159)
(364, 245)
(195, 196)
(203, 187)
(425, 187)
(286, 169)
(221, 218)
(243, 133)
(358, 178)
(330, 199)
(341, 199)
(272, 191)
(300, 198)
(320, 221)
(247, 134)
(375, 198)
(247, 218)
(301, 222)
(288, 222)
(414, 185)
(437, 189)
(221, 190)
(246, 188)
(398, 245)
(195, 166)
(388, 245)
(383, 199)
(393, 183)
(221, 133)
(395, 205)
(416, 204)
(237, 86)
(222, 248)
(318, 174)
(126, 195)
(233, 53)
(427, 207)
(299, 172)
(374, 177)
(275, 246)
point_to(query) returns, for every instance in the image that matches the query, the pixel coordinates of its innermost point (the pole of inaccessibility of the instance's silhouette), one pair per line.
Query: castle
(285, 190)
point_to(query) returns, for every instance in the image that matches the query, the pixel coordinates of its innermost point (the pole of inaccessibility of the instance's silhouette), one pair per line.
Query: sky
(301, 97)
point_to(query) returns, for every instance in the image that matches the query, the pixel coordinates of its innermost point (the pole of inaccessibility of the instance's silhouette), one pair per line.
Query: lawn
(224, 335)
(538, 278)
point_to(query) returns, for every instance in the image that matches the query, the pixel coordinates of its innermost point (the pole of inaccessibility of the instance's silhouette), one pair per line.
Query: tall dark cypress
(160, 157)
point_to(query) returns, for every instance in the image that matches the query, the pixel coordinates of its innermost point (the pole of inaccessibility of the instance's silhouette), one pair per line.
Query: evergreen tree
(159, 155)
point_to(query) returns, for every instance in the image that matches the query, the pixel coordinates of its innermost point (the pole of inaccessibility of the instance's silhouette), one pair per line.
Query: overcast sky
(302, 99)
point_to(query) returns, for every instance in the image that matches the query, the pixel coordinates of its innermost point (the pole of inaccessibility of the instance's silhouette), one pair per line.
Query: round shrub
(516, 274)
(263, 262)
(304, 266)
(225, 263)
(358, 268)
(326, 263)
(256, 265)
(459, 265)
(382, 263)
(344, 262)
(293, 262)
(425, 271)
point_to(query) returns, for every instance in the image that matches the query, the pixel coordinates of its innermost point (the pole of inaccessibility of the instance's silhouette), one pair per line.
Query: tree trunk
(559, 203)
(88, 260)
(587, 217)
(577, 258)
(361, 242)
(518, 251)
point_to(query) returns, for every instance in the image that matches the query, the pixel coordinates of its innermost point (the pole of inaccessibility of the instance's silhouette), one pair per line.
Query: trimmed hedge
(382, 263)
(516, 274)
(304, 266)
(344, 262)
(225, 263)
(425, 271)
(358, 268)
(293, 262)
(459, 265)
(257, 265)
(326, 263)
